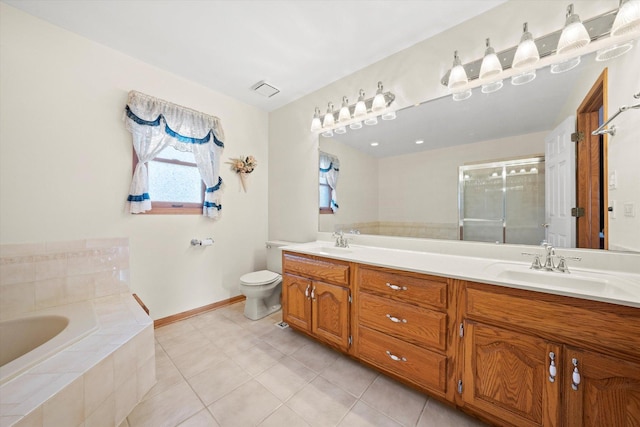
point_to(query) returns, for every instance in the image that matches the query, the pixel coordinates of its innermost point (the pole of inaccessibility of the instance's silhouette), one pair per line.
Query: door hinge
(459, 386)
(461, 330)
(350, 340)
(577, 212)
(577, 137)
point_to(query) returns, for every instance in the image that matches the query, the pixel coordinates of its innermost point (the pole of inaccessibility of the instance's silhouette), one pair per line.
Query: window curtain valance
(330, 169)
(156, 124)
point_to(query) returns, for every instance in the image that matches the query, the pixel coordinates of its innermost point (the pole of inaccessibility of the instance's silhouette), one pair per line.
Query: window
(175, 185)
(329, 166)
(325, 196)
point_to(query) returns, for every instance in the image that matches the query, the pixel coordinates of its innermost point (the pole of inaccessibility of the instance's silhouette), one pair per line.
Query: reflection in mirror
(403, 188)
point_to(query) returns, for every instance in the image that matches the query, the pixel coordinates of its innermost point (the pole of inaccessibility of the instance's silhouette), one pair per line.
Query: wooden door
(330, 307)
(507, 375)
(608, 392)
(592, 169)
(296, 302)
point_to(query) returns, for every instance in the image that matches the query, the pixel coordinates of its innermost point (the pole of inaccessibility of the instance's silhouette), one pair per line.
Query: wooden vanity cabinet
(519, 353)
(315, 298)
(402, 326)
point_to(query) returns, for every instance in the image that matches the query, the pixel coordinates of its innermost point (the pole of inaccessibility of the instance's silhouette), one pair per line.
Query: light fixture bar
(388, 98)
(597, 27)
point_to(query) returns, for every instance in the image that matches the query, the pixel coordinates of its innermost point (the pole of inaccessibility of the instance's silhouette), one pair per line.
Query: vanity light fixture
(572, 38)
(490, 69)
(365, 110)
(574, 34)
(316, 124)
(329, 120)
(627, 21)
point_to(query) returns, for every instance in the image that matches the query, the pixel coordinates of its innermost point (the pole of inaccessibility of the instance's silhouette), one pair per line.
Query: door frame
(587, 157)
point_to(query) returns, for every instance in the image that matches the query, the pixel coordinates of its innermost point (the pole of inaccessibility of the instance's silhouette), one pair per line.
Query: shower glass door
(502, 202)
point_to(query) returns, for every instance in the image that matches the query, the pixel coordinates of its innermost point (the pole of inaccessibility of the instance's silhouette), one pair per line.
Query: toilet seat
(257, 278)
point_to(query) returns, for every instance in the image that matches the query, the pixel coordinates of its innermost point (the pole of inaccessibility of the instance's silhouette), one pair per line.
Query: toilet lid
(261, 277)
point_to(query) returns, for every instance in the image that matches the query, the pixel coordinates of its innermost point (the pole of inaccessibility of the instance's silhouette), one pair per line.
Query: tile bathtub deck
(220, 369)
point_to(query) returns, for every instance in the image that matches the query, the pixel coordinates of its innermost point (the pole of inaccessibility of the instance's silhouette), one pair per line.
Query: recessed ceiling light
(374, 144)
(420, 141)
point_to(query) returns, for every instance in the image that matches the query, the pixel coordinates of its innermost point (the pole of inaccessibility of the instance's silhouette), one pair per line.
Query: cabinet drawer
(332, 272)
(415, 364)
(425, 290)
(418, 325)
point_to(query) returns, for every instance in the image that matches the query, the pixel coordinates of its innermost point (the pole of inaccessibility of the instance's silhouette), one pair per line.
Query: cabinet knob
(395, 319)
(575, 376)
(396, 358)
(552, 367)
(396, 287)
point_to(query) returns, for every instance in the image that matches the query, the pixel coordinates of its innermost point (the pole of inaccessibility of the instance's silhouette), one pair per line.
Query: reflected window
(328, 183)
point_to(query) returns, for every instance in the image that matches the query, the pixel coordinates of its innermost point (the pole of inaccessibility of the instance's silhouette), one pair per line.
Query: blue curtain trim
(212, 205)
(329, 168)
(138, 198)
(169, 131)
(215, 187)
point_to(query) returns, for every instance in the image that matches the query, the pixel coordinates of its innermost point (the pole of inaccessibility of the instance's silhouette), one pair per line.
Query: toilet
(263, 288)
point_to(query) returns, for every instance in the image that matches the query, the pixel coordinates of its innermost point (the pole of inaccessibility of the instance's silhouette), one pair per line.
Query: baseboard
(190, 313)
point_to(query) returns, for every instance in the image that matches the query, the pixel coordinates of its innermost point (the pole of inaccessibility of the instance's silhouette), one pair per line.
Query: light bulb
(491, 66)
(574, 34)
(316, 124)
(329, 120)
(340, 130)
(457, 76)
(370, 121)
(355, 125)
(378, 101)
(345, 114)
(527, 52)
(628, 18)
(361, 107)
(461, 96)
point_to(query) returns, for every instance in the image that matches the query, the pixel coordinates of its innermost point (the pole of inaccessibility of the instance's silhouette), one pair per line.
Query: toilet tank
(274, 255)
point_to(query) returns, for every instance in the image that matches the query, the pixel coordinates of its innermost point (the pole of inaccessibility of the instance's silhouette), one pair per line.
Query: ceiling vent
(265, 89)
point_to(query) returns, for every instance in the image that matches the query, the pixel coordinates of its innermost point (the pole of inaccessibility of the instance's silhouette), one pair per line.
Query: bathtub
(32, 338)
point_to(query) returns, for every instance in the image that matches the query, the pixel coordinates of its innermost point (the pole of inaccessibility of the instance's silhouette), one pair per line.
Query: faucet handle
(562, 265)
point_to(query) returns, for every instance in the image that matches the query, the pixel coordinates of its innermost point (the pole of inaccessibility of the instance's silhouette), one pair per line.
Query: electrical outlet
(629, 210)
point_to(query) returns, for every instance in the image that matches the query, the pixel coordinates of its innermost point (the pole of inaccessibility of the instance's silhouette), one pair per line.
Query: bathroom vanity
(502, 346)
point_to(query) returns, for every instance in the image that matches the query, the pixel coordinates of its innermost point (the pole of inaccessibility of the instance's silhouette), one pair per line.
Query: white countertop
(621, 288)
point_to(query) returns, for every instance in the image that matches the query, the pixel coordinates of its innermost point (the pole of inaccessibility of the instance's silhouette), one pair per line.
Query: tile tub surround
(34, 276)
(99, 379)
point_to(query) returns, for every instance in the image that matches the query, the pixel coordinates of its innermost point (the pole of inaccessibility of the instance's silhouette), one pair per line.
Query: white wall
(414, 76)
(423, 187)
(66, 164)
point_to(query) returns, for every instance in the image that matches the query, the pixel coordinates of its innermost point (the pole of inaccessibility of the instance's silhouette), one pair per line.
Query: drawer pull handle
(552, 367)
(306, 291)
(396, 358)
(396, 287)
(575, 376)
(313, 293)
(395, 319)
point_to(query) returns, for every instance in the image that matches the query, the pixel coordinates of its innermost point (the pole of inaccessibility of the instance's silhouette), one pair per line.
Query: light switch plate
(629, 210)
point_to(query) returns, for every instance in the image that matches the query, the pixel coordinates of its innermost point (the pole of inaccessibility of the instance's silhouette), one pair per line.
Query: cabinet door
(296, 301)
(506, 374)
(607, 394)
(330, 307)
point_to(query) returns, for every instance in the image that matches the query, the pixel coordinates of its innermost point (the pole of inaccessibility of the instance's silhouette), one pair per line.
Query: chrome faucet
(341, 240)
(549, 265)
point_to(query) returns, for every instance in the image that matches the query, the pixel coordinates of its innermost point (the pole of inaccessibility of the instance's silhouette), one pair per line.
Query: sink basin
(334, 250)
(584, 282)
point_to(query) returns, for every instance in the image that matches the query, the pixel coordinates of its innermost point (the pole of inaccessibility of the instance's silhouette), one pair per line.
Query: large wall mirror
(402, 177)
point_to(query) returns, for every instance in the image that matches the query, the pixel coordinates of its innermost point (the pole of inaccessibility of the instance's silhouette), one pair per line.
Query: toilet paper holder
(204, 242)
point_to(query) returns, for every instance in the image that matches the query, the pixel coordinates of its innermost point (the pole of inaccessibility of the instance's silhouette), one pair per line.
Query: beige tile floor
(220, 369)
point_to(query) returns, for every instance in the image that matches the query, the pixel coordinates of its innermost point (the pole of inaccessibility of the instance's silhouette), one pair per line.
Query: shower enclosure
(502, 201)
